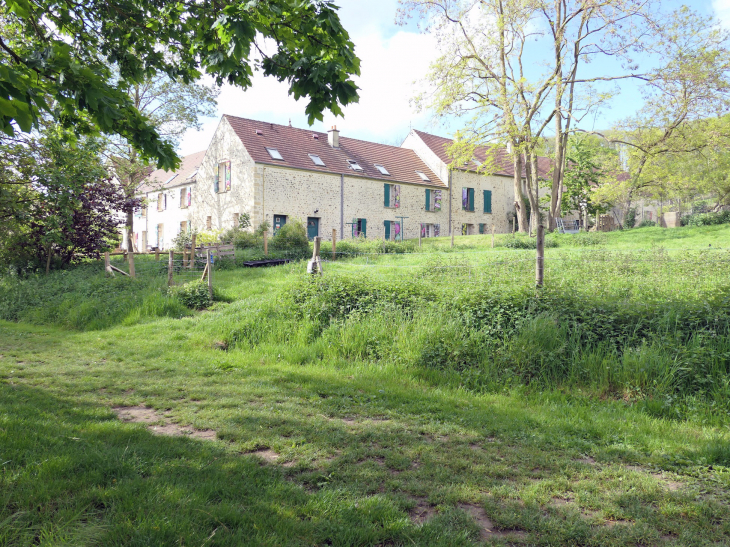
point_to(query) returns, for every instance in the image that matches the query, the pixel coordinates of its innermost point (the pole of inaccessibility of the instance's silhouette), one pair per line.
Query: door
(279, 221)
(312, 227)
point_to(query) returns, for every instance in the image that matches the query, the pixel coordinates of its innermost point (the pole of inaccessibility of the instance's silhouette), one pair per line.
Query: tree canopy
(58, 57)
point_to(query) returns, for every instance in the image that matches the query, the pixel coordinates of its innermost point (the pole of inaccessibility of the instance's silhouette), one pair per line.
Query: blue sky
(393, 59)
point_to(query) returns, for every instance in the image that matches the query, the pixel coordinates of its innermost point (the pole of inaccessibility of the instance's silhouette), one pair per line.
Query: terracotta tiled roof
(502, 162)
(164, 179)
(296, 144)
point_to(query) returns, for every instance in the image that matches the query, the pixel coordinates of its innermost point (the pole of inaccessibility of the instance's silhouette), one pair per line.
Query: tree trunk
(48, 258)
(532, 176)
(520, 211)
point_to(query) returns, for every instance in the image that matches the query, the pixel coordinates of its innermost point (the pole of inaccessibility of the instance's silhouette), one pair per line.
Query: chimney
(333, 136)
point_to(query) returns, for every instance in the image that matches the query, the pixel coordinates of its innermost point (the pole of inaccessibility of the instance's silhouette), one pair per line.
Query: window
(143, 212)
(477, 162)
(161, 201)
(168, 181)
(467, 199)
(185, 197)
(354, 165)
(433, 200)
(467, 229)
(359, 227)
(222, 181)
(279, 221)
(392, 230)
(274, 153)
(236, 220)
(391, 195)
(208, 223)
(423, 176)
(430, 230)
(488, 201)
(317, 160)
(382, 169)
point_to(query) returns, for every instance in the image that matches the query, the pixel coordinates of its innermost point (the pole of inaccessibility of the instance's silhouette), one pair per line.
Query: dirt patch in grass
(486, 527)
(588, 460)
(422, 512)
(158, 424)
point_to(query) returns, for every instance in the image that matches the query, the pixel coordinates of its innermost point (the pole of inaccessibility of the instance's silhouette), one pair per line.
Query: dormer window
(354, 165)
(424, 176)
(274, 153)
(317, 160)
(382, 169)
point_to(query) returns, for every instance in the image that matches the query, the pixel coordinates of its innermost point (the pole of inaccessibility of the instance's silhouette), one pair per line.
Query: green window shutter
(487, 201)
(364, 227)
(387, 229)
(216, 186)
(386, 195)
(428, 199)
(481, 228)
(471, 199)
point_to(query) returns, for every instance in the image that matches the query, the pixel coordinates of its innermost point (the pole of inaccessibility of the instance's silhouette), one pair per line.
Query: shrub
(646, 224)
(245, 240)
(589, 239)
(630, 218)
(707, 219)
(361, 246)
(193, 294)
(522, 242)
(292, 238)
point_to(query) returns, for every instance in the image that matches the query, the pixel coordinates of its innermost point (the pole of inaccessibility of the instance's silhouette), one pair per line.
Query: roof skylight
(423, 176)
(274, 153)
(476, 162)
(354, 165)
(317, 160)
(168, 181)
(382, 169)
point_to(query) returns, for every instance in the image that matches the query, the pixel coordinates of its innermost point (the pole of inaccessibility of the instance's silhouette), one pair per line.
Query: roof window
(315, 136)
(259, 132)
(168, 181)
(476, 162)
(316, 159)
(354, 165)
(423, 176)
(274, 153)
(382, 169)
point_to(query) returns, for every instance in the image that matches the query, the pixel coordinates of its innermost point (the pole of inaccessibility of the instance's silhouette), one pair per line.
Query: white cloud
(392, 59)
(722, 11)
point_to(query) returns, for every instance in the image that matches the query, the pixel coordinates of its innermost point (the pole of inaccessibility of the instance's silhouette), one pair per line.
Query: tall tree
(59, 56)
(173, 108)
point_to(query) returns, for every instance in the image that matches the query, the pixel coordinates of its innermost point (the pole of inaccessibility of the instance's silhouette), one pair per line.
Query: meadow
(427, 396)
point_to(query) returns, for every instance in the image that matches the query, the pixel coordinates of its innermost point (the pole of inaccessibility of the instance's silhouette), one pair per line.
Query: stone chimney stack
(333, 136)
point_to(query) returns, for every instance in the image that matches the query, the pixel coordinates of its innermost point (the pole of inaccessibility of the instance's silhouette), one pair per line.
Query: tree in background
(59, 58)
(588, 166)
(173, 108)
(71, 208)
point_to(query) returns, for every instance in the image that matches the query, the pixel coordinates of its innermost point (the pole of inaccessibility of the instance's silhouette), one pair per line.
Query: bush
(630, 218)
(194, 294)
(589, 239)
(244, 240)
(291, 238)
(362, 246)
(522, 242)
(646, 224)
(707, 219)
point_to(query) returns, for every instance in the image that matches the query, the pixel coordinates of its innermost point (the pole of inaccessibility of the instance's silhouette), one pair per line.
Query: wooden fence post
(452, 236)
(170, 266)
(131, 264)
(315, 265)
(157, 253)
(334, 244)
(492, 236)
(540, 261)
(266, 243)
(108, 265)
(209, 267)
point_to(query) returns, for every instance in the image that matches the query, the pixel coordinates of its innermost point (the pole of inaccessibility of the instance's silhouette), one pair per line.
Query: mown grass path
(326, 454)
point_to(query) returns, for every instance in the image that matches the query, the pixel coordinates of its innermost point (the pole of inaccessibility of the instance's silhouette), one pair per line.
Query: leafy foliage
(59, 57)
(193, 294)
(707, 219)
(292, 237)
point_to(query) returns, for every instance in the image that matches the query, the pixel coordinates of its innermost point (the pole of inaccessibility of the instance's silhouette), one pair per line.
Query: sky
(393, 60)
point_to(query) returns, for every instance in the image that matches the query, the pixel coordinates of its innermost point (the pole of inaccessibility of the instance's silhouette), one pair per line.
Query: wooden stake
(157, 253)
(334, 244)
(419, 238)
(185, 257)
(131, 264)
(209, 267)
(452, 236)
(540, 260)
(170, 268)
(115, 269)
(315, 265)
(266, 243)
(192, 264)
(108, 265)
(492, 236)
(205, 272)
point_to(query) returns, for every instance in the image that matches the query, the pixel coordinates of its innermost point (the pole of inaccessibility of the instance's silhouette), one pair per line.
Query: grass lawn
(245, 425)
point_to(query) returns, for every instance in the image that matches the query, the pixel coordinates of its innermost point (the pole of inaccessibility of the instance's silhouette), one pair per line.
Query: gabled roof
(296, 144)
(502, 162)
(185, 174)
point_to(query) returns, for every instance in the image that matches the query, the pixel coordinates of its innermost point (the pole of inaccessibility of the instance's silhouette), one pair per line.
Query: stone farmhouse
(276, 173)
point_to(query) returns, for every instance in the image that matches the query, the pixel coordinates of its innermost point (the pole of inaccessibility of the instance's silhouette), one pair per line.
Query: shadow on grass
(73, 473)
